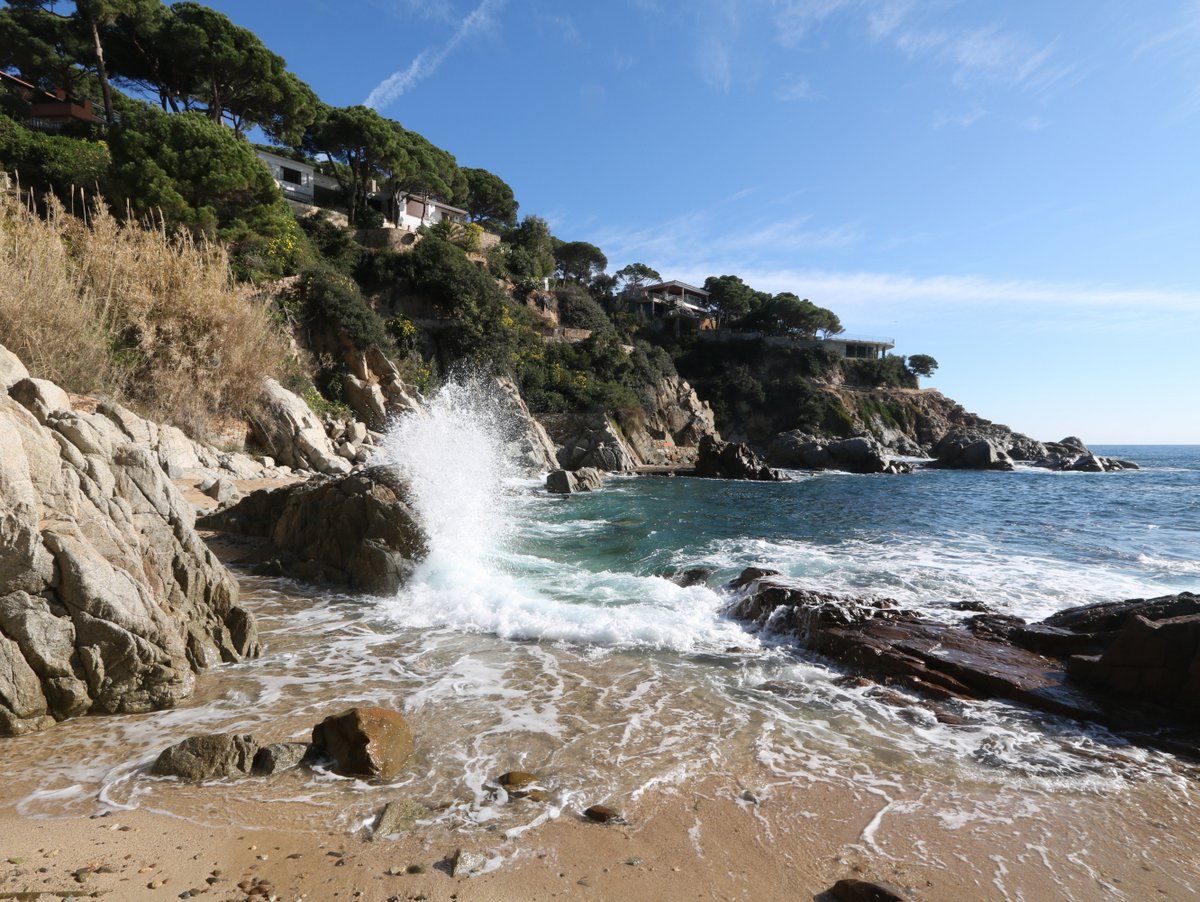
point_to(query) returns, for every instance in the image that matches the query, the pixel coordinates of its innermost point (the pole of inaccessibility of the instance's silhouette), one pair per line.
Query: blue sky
(1012, 187)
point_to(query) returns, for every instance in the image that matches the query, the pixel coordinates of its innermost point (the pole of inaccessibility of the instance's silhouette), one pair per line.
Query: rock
(527, 441)
(40, 397)
(366, 742)
(520, 784)
(726, 460)
(12, 370)
(696, 576)
(398, 816)
(292, 433)
(357, 530)
(594, 441)
(223, 491)
(564, 482)
(963, 451)
(348, 451)
(860, 454)
(602, 814)
(750, 575)
(208, 757)
(108, 597)
(851, 890)
(280, 756)
(467, 864)
(1144, 654)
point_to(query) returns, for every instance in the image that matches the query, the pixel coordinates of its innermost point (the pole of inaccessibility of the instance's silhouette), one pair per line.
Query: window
(291, 176)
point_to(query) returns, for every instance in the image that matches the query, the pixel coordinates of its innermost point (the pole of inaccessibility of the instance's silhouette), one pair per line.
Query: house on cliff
(685, 306)
(53, 113)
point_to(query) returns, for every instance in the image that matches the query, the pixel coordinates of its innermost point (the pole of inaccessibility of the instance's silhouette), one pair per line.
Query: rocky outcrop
(1071, 454)
(860, 454)
(1133, 665)
(590, 440)
(526, 441)
(727, 460)
(357, 530)
(365, 742)
(293, 435)
(564, 482)
(675, 421)
(967, 451)
(109, 601)
(374, 389)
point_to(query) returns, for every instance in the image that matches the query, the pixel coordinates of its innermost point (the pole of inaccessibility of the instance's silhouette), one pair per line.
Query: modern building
(858, 348)
(52, 113)
(296, 180)
(416, 210)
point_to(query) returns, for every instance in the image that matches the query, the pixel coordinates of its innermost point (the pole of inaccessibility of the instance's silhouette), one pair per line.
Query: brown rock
(602, 814)
(367, 742)
(207, 757)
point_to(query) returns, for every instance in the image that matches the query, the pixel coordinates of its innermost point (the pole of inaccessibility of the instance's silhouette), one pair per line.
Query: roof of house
(675, 283)
(438, 203)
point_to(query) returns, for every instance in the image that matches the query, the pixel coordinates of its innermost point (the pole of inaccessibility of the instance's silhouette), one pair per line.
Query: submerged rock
(280, 756)
(602, 814)
(398, 816)
(1130, 665)
(365, 742)
(727, 460)
(208, 757)
(358, 530)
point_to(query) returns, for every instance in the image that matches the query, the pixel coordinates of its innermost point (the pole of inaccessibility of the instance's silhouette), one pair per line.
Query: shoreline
(694, 842)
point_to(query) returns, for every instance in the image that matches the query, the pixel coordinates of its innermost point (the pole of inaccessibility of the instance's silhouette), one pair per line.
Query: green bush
(578, 310)
(329, 299)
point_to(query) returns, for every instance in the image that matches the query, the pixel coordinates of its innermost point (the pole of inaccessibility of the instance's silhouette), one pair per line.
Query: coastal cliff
(109, 600)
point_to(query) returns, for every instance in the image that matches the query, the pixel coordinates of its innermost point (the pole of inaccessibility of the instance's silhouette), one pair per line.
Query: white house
(295, 179)
(416, 210)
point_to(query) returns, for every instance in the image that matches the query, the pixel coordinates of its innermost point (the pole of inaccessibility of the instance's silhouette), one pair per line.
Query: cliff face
(668, 433)
(913, 421)
(109, 601)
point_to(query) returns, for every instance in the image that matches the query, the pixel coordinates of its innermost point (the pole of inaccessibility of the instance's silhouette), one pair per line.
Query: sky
(1011, 186)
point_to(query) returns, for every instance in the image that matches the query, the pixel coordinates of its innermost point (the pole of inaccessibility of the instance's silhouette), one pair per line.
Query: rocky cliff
(109, 601)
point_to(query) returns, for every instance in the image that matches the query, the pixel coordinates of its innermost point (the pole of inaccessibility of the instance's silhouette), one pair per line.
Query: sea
(543, 633)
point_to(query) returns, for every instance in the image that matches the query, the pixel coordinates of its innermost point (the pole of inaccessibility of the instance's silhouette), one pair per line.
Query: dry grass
(132, 312)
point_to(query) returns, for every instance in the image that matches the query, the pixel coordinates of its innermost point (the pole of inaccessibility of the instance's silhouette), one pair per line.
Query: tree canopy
(635, 276)
(922, 364)
(489, 199)
(579, 261)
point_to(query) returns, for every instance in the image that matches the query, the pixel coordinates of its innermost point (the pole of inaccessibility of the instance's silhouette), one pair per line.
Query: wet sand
(692, 844)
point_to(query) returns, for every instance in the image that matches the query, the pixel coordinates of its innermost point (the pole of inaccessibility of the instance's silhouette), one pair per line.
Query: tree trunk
(102, 71)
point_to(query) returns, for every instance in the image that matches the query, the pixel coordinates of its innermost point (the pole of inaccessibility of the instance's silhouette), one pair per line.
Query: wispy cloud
(429, 60)
(1178, 46)
(795, 90)
(961, 120)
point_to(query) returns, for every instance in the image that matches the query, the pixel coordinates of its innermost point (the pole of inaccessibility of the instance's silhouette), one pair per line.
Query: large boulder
(207, 757)
(357, 530)
(859, 454)
(729, 460)
(967, 451)
(365, 742)
(292, 433)
(564, 482)
(1073, 455)
(109, 601)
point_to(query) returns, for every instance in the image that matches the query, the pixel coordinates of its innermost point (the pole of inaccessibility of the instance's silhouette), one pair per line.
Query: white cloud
(796, 89)
(961, 120)
(429, 60)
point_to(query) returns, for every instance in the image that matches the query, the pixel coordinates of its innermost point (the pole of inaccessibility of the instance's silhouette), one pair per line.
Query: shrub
(134, 313)
(578, 310)
(328, 299)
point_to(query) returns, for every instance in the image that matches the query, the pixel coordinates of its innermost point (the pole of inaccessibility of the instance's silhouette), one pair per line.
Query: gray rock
(280, 756)
(222, 491)
(967, 451)
(467, 864)
(398, 816)
(208, 757)
(109, 601)
(12, 370)
(292, 433)
(40, 397)
(585, 479)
